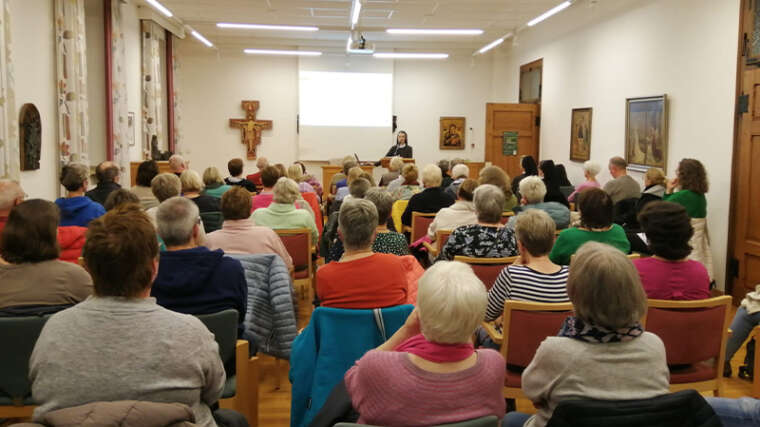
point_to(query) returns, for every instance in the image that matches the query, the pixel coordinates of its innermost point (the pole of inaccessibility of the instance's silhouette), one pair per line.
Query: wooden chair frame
(439, 235)
(474, 260)
(246, 399)
(714, 385)
(411, 229)
(307, 283)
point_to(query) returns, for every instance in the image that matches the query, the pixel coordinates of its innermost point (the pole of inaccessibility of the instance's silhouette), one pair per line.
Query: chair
(212, 221)
(441, 237)
(398, 208)
(525, 325)
(241, 390)
(487, 269)
(694, 333)
(489, 421)
(420, 223)
(298, 243)
(313, 201)
(505, 217)
(684, 408)
(19, 335)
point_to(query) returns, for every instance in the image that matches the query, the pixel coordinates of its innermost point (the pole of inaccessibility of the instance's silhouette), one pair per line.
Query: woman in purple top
(590, 171)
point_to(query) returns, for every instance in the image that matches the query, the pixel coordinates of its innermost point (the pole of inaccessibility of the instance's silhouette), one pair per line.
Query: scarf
(575, 328)
(435, 352)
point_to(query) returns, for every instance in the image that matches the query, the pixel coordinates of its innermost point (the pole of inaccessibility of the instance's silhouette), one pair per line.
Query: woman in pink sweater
(428, 373)
(590, 171)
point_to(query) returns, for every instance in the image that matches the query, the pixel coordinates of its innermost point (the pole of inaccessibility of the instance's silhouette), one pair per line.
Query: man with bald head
(107, 174)
(11, 195)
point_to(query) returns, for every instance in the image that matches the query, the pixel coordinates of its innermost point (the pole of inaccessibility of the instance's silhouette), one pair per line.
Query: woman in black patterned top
(486, 239)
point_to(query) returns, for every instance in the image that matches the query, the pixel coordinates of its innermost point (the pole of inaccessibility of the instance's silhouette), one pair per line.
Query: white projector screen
(342, 113)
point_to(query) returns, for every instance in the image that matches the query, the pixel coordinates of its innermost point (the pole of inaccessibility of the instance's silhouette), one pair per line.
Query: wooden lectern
(163, 166)
(385, 161)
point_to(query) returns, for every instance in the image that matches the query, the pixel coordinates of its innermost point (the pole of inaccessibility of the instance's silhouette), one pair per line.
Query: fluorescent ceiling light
(436, 32)
(550, 12)
(202, 39)
(411, 55)
(161, 8)
(491, 45)
(281, 52)
(265, 27)
(355, 11)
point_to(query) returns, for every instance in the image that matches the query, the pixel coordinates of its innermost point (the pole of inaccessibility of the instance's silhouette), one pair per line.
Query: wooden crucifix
(250, 128)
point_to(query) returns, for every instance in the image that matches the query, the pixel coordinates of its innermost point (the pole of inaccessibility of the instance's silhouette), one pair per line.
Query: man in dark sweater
(432, 199)
(235, 167)
(107, 174)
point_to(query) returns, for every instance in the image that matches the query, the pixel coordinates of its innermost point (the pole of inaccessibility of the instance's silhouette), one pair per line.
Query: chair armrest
(407, 229)
(431, 250)
(493, 333)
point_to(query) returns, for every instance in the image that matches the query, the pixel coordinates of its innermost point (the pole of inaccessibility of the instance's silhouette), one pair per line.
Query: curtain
(176, 98)
(71, 64)
(9, 143)
(119, 89)
(152, 35)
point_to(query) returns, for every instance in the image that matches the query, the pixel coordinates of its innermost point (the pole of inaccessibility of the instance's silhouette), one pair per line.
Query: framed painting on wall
(452, 130)
(646, 132)
(580, 134)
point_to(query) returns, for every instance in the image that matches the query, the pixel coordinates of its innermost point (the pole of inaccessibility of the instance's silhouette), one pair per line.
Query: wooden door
(520, 118)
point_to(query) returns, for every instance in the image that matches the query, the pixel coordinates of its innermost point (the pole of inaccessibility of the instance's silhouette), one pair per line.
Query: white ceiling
(495, 17)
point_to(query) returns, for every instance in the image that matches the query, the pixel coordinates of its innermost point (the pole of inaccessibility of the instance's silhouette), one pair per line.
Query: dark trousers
(229, 418)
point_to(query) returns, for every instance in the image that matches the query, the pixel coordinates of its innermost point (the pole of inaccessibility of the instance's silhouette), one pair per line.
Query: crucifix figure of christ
(250, 128)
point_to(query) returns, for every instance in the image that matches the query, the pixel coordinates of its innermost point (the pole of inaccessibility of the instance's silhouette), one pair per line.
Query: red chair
(420, 223)
(695, 335)
(505, 217)
(313, 201)
(297, 242)
(487, 269)
(441, 237)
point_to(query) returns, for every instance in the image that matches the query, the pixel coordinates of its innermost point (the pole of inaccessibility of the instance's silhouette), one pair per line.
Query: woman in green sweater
(596, 209)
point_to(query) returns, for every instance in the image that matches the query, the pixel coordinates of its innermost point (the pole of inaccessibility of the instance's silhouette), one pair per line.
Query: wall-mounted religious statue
(250, 128)
(155, 153)
(30, 137)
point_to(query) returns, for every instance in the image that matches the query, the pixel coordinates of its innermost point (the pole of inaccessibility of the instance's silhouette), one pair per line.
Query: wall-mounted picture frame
(452, 131)
(131, 128)
(646, 132)
(580, 134)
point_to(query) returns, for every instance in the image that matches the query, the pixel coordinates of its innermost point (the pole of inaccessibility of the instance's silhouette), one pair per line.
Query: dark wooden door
(520, 118)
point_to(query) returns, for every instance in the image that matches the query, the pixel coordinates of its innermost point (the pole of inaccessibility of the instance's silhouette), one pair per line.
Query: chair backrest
(487, 269)
(441, 237)
(526, 325)
(420, 223)
(212, 221)
(224, 326)
(505, 217)
(693, 331)
(18, 335)
(297, 242)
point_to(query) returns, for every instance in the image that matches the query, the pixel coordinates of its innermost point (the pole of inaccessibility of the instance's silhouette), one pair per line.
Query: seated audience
(394, 171)
(213, 184)
(496, 176)
(565, 186)
(361, 278)
(535, 277)
(432, 199)
(436, 375)
(192, 279)
(446, 179)
(741, 412)
(486, 239)
(348, 163)
(145, 174)
(532, 192)
(595, 206)
(120, 345)
(163, 186)
(654, 189)
(255, 178)
(11, 194)
(30, 273)
(120, 197)
(529, 168)
(76, 208)
(235, 168)
(177, 164)
(746, 318)
(408, 185)
(548, 172)
(341, 193)
(192, 185)
(590, 171)
(239, 234)
(269, 177)
(669, 274)
(621, 187)
(314, 182)
(296, 174)
(281, 168)
(602, 352)
(462, 212)
(282, 213)
(459, 172)
(107, 174)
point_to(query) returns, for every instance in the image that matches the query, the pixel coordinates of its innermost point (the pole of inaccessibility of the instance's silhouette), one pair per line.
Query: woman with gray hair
(602, 352)
(590, 171)
(282, 213)
(488, 238)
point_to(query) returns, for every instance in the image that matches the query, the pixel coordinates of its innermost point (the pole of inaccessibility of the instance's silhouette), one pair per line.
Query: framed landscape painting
(452, 130)
(646, 132)
(580, 134)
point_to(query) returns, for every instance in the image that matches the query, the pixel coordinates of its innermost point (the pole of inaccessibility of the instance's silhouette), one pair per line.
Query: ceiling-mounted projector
(358, 44)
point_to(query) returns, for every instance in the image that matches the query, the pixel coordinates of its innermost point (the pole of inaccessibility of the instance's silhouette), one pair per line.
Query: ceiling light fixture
(356, 9)
(493, 44)
(281, 52)
(202, 39)
(393, 55)
(559, 8)
(435, 32)
(161, 8)
(265, 27)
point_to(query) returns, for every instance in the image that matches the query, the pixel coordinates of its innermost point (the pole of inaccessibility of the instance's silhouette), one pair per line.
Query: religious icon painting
(580, 134)
(452, 130)
(646, 132)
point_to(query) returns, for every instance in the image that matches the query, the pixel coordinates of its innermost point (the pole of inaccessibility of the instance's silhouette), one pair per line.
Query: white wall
(96, 79)
(599, 56)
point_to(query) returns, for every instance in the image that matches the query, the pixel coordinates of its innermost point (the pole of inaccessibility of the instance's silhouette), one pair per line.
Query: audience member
(281, 168)
(602, 352)
(213, 184)
(432, 199)
(529, 168)
(409, 185)
(496, 176)
(107, 174)
(358, 188)
(235, 168)
(145, 174)
(163, 186)
(192, 279)
(669, 274)
(565, 186)
(621, 187)
(535, 277)
(394, 171)
(177, 164)
(239, 234)
(30, 272)
(347, 163)
(595, 206)
(120, 197)
(282, 213)
(353, 174)
(459, 172)
(76, 208)
(654, 189)
(746, 318)
(590, 171)
(446, 179)
(430, 364)
(11, 195)
(307, 177)
(269, 177)
(361, 278)
(462, 212)
(486, 239)
(296, 174)
(532, 192)
(548, 172)
(740, 412)
(255, 178)
(120, 345)
(192, 185)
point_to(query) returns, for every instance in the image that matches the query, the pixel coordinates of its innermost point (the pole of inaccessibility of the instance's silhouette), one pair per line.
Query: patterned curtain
(176, 99)
(152, 35)
(119, 89)
(71, 55)
(9, 144)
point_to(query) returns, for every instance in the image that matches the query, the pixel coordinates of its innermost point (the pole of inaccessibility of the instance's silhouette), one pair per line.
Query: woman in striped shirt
(534, 277)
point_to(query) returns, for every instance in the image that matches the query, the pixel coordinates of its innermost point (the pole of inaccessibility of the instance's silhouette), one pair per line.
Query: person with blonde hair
(213, 183)
(432, 199)
(296, 174)
(496, 176)
(590, 171)
(602, 352)
(282, 212)
(192, 185)
(394, 171)
(654, 190)
(409, 185)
